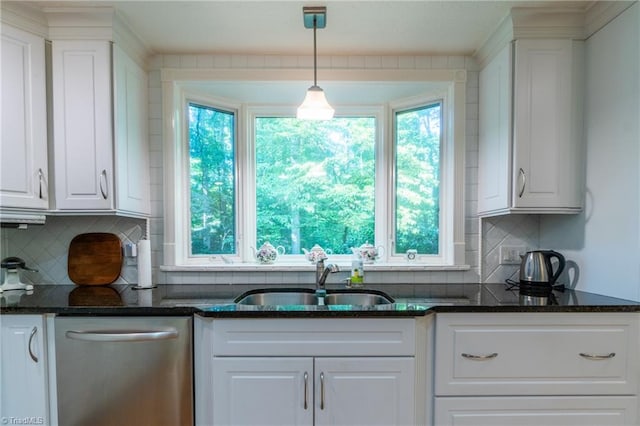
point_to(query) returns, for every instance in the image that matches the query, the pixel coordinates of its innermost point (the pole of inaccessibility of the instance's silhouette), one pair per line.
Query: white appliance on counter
(124, 370)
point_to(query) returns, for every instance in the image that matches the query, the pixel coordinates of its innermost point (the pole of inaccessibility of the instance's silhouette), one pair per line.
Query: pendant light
(315, 105)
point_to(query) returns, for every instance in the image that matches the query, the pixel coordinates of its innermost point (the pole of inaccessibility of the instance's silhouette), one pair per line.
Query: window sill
(306, 267)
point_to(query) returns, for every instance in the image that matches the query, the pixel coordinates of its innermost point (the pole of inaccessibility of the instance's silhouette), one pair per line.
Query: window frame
(378, 112)
(177, 92)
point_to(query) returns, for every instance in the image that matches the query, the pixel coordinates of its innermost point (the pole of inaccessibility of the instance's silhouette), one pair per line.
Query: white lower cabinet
(23, 379)
(306, 372)
(537, 369)
(536, 411)
(297, 391)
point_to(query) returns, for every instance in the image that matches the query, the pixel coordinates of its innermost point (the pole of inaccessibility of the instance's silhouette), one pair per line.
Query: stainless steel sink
(308, 297)
(358, 299)
(269, 297)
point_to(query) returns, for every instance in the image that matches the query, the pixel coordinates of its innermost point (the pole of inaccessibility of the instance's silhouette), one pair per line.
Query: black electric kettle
(536, 268)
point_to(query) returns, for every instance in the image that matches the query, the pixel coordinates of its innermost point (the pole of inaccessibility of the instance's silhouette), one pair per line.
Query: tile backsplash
(509, 230)
(45, 247)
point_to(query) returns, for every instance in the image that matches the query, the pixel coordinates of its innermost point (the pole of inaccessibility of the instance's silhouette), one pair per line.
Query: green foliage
(212, 164)
(315, 182)
(418, 179)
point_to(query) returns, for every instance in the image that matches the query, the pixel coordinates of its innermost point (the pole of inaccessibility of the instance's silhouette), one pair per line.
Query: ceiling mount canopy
(315, 105)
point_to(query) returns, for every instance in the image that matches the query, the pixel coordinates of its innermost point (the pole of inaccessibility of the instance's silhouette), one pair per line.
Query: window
(386, 173)
(417, 190)
(212, 180)
(315, 182)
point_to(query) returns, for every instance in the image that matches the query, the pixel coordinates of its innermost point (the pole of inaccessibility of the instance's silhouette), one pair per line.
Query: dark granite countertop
(217, 301)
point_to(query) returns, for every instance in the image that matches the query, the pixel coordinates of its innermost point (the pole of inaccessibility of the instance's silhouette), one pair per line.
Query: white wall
(604, 241)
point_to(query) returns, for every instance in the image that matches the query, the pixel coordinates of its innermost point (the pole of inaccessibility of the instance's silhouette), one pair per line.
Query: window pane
(212, 178)
(418, 179)
(315, 182)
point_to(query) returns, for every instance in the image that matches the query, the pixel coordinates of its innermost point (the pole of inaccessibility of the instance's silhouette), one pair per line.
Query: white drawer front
(536, 411)
(314, 337)
(537, 354)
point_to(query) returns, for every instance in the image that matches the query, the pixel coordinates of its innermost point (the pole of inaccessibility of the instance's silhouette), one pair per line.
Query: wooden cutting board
(94, 258)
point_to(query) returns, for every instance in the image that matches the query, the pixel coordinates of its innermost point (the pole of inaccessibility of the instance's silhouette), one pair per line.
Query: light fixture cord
(315, 55)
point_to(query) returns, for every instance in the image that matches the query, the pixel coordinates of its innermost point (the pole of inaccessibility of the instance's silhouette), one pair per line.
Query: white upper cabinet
(530, 157)
(23, 147)
(100, 142)
(494, 156)
(131, 135)
(82, 125)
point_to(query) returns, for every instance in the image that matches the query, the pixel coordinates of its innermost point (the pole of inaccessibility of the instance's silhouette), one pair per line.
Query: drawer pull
(479, 357)
(597, 357)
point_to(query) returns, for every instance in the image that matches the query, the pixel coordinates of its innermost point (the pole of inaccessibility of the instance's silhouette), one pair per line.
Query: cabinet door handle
(40, 179)
(104, 189)
(306, 390)
(597, 357)
(31, 336)
(479, 357)
(523, 177)
(322, 391)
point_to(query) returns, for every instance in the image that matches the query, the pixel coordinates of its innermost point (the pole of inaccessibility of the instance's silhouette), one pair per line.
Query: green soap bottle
(357, 273)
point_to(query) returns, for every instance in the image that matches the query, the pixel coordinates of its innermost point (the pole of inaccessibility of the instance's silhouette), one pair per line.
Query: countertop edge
(188, 311)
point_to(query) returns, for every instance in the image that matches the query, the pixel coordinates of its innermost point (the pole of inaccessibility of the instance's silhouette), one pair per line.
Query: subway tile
(171, 61)
(188, 61)
(406, 62)
(204, 61)
(439, 62)
(423, 62)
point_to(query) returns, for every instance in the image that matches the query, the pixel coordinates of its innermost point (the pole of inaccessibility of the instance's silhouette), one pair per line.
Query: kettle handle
(561, 263)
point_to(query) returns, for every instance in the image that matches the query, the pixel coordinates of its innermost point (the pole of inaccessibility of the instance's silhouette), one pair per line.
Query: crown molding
(95, 23)
(496, 41)
(601, 13)
(532, 22)
(129, 41)
(25, 16)
(88, 23)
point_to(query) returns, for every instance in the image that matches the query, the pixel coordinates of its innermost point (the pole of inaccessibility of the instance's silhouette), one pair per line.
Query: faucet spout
(322, 272)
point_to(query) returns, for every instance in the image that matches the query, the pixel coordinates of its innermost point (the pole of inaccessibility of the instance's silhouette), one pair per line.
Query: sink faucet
(322, 272)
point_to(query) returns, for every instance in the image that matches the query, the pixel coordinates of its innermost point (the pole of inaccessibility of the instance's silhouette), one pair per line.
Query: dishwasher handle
(122, 335)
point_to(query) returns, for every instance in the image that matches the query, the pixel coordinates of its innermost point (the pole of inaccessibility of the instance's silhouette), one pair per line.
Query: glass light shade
(315, 106)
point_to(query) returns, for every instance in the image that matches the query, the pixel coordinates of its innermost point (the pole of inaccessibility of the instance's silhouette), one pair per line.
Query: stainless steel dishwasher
(124, 371)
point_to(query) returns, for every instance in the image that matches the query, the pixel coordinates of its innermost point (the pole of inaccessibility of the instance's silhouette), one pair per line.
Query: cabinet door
(536, 411)
(364, 391)
(23, 373)
(494, 141)
(131, 140)
(23, 146)
(82, 123)
(545, 159)
(262, 391)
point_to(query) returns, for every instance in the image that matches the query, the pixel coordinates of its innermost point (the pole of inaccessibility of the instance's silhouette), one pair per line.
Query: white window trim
(176, 221)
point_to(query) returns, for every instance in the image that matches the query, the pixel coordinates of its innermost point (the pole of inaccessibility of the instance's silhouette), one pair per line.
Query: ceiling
(391, 27)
